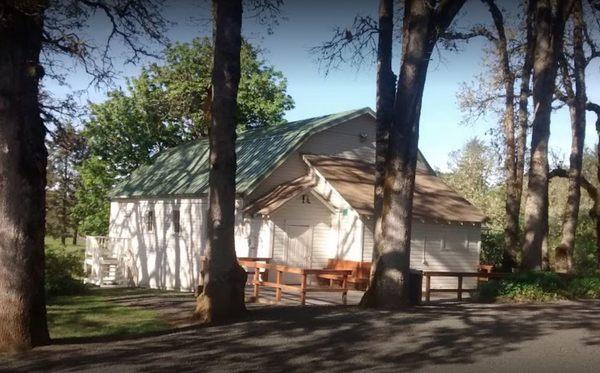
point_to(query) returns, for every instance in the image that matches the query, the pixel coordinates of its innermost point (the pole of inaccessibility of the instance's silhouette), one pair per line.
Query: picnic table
(303, 287)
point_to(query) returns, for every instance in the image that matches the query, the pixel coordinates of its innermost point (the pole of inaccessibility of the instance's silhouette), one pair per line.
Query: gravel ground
(435, 338)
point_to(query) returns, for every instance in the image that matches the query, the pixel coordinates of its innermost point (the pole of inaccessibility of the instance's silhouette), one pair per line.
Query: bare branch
(135, 23)
(351, 45)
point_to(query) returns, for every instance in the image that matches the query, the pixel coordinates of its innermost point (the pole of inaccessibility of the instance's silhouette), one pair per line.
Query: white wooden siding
(162, 258)
(439, 247)
(315, 214)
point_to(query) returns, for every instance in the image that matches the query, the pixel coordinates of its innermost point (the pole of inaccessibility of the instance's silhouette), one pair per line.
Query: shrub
(492, 243)
(541, 287)
(64, 271)
(525, 287)
(584, 287)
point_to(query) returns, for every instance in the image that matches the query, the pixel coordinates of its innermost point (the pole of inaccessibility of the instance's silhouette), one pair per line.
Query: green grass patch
(55, 244)
(541, 287)
(100, 313)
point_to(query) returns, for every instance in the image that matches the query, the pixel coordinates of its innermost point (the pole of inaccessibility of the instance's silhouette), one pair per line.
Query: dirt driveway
(450, 337)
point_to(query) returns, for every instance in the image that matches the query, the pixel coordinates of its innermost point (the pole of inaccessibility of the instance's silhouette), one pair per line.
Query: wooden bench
(303, 288)
(460, 276)
(359, 277)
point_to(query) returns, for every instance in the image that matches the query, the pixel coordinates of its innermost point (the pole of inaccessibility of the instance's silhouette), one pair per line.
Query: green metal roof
(183, 170)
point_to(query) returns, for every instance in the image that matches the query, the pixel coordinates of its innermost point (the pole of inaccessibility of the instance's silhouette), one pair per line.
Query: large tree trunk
(577, 107)
(23, 160)
(422, 25)
(223, 293)
(512, 203)
(548, 45)
(386, 86)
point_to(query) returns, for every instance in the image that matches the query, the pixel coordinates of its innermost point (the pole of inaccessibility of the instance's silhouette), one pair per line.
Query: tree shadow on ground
(334, 339)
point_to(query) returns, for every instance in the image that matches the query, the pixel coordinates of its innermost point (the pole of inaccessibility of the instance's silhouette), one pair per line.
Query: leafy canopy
(164, 107)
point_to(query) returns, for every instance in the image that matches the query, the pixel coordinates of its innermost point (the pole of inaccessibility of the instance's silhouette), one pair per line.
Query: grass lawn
(54, 243)
(101, 312)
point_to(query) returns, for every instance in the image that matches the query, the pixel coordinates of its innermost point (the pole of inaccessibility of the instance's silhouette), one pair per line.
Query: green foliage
(66, 150)
(472, 175)
(492, 243)
(64, 269)
(164, 107)
(541, 287)
(585, 287)
(93, 206)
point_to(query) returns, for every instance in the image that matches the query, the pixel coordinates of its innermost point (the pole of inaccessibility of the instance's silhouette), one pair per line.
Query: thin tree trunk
(386, 84)
(22, 178)
(549, 41)
(523, 114)
(577, 107)
(422, 25)
(64, 201)
(223, 293)
(595, 212)
(75, 234)
(512, 203)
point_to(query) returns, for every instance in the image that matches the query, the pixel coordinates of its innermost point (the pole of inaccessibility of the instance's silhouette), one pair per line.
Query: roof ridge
(182, 170)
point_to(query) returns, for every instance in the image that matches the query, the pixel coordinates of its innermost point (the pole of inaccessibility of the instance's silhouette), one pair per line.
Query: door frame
(299, 222)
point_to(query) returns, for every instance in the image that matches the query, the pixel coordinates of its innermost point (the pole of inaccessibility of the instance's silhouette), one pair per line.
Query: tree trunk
(386, 84)
(514, 244)
(223, 293)
(512, 203)
(422, 25)
(595, 212)
(548, 45)
(577, 107)
(75, 234)
(596, 218)
(23, 160)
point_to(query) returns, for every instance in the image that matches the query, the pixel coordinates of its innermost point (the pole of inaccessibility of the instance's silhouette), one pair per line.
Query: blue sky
(307, 23)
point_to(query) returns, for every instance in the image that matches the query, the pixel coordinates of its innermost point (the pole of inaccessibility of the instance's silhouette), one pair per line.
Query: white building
(305, 194)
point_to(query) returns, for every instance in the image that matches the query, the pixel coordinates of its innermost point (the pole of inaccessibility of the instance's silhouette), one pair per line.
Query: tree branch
(585, 183)
(445, 13)
(349, 45)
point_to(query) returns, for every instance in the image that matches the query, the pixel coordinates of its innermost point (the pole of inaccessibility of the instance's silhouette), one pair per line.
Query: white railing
(103, 256)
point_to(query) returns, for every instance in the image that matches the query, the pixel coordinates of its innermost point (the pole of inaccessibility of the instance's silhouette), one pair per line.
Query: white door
(298, 249)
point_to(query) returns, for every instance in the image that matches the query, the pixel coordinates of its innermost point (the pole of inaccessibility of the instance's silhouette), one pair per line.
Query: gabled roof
(432, 199)
(183, 170)
(278, 196)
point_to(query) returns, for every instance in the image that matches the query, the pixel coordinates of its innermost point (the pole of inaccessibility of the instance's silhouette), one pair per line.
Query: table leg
(256, 283)
(278, 290)
(303, 290)
(345, 291)
(460, 286)
(427, 288)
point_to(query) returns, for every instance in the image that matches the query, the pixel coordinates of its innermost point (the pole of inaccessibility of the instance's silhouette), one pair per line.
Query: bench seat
(361, 272)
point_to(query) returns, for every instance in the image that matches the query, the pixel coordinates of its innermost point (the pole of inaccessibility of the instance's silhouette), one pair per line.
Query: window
(150, 220)
(176, 218)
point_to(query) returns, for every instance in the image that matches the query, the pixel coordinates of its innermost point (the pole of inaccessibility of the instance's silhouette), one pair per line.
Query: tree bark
(23, 160)
(595, 211)
(423, 23)
(523, 121)
(577, 106)
(386, 85)
(548, 44)
(223, 292)
(524, 93)
(512, 203)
